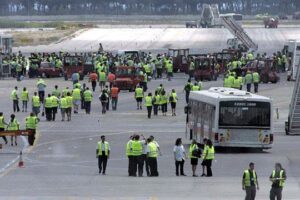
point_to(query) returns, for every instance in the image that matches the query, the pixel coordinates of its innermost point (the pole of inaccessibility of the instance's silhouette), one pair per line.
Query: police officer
(148, 104)
(250, 182)
(31, 124)
(278, 178)
(103, 152)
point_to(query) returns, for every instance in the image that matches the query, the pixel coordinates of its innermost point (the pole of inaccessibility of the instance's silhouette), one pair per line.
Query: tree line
(143, 7)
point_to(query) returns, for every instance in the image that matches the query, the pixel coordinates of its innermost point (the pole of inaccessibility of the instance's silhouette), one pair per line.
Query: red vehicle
(265, 68)
(48, 69)
(127, 78)
(180, 59)
(73, 64)
(271, 22)
(204, 69)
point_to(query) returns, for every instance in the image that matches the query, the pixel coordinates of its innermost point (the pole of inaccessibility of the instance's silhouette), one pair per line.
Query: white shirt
(179, 152)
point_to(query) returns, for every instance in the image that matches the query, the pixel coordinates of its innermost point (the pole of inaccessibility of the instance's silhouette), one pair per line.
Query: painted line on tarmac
(10, 166)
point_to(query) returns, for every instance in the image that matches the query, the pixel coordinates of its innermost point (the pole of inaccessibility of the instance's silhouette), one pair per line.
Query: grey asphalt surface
(62, 164)
(161, 38)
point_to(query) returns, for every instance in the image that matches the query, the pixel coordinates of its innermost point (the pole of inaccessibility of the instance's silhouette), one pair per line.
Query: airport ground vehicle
(180, 59)
(204, 68)
(230, 118)
(271, 22)
(48, 69)
(127, 78)
(73, 64)
(226, 56)
(88, 64)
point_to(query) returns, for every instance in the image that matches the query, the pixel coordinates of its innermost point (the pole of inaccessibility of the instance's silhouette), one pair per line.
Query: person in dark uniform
(102, 152)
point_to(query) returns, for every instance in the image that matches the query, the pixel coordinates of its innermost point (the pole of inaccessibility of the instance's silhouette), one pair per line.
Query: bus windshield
(247, 114)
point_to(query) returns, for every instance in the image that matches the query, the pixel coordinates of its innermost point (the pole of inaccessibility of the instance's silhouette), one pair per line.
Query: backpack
(197, 153)
(103, 97)
(171, 98)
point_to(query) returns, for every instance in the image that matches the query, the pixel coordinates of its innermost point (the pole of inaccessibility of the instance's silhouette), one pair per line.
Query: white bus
(230, 118)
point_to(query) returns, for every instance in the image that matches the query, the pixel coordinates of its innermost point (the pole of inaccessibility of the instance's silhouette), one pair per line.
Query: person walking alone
(103, 152)
(179, 156)
(87, 97)
(15, 98)
(148, 104)
(103, 99)
(250, 182)
(173, 101)
(114, 93)
(24, 99)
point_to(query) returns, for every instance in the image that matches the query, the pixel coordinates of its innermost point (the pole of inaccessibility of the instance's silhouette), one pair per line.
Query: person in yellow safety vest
(58, 63)
(139, 95)
(144, 82)
(65, 91)
(248, 80)
(24, 99)
(250, 182)
(278, 178)
(156, 103)
(169, 69)
(69, 99)
(36, 104)
(15, 98)
(152, 154)
(13, 125)
(164, 103)
(256, 80)
(284, 62)
(48, 108)
(55, 103)
(236, 83)
(241, 80)
(279, 63)
(31, 124)
(148, 104)
(129, 155)
(2, 126)
(173, 101)
(194, 159)
(76, 95)
(63, 107)
(103, 153)
(250, 56)
(226, 82)
(136, 149)
(147, 69)
(102, 79)
(56, 91)
(88, 97)
(231, 79)
(196, 87)
(191, 68)
(234, 65)
(208, 157)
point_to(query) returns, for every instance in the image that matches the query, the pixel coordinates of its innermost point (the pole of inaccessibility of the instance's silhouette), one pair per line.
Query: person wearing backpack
(104, 99)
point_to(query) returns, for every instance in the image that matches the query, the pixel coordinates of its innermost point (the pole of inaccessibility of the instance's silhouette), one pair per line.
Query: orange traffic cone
(21, 163)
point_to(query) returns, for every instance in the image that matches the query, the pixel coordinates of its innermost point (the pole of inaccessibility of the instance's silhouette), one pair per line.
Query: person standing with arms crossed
(250, 182)
(103, 152)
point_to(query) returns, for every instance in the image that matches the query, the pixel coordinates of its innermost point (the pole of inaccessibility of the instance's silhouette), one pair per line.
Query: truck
(180, 59)
(271, 22)
(127, 78)
(204, 68)
(48, 69)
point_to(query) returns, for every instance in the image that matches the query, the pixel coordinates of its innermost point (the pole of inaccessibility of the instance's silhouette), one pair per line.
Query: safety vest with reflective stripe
(208, 153)
(24, 95)
(128, 152)
(136, 148)
(281, 182)
(247, 181)
(48, 102)
(14, 95)
(36, 101)
(153, 151)
(157, 100)
(31, 122)
(148, 101)
(174, 95)
(106, 144)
